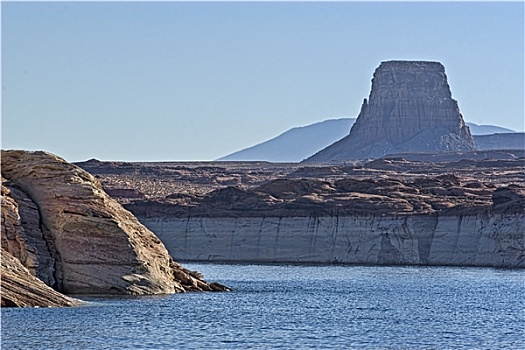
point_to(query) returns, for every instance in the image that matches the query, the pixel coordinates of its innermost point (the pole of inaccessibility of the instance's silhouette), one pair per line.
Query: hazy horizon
(163, 81)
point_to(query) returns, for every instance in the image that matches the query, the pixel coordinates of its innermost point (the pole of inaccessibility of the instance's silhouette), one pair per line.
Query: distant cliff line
(423, 240)
(454, 211)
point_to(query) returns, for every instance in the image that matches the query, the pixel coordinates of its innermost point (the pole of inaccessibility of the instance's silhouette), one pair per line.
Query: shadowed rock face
(410, 109)
(58, 221)
(19, 288)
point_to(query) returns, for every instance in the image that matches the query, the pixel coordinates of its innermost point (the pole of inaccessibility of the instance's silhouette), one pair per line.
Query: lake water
(295, 307)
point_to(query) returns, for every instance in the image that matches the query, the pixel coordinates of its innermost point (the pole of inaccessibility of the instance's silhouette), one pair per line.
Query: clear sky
(196, 81)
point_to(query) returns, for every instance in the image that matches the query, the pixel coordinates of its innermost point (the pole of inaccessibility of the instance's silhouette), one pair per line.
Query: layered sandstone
(454, 211)
(410, 109)
(20, 288)
(494, 240)
(59, 222)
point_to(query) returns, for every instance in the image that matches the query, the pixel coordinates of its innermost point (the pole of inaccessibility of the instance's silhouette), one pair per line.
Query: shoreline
(327, 264)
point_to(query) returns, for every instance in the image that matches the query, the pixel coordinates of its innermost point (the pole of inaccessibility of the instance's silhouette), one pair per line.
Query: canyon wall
(483, 239)
(456, 209)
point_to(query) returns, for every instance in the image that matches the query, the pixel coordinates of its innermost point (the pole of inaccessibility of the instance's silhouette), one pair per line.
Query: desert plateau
(454, 209)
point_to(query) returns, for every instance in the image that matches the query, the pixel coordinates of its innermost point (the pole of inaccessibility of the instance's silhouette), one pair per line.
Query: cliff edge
(459, 209)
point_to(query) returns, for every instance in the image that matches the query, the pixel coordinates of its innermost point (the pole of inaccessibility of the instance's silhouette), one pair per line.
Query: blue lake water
(295, 307)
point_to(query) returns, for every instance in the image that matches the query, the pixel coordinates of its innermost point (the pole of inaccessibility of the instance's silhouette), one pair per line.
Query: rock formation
(298, 143)
(410, 109)
(58, 221)
(19, 288)
(466, 210)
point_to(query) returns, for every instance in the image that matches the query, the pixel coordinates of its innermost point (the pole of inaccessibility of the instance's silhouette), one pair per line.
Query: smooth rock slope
(410, 109)
(59, 222)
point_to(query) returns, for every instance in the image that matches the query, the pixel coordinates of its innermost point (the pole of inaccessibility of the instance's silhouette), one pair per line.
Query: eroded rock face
(463, 209)
(19, 288)
(22, 235)
(410, 109)
(494, 240)
(94, 244)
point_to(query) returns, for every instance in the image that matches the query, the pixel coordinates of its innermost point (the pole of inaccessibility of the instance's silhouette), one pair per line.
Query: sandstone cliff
(494, 240)
(410, 109)
(463, 209)
(58, 221)
(430, 221)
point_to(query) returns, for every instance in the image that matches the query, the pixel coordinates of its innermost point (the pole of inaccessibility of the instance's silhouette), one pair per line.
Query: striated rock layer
(58, 221)
(431, 221)
(462, 209)
(410, 109)
(19, 288)
(464, 240)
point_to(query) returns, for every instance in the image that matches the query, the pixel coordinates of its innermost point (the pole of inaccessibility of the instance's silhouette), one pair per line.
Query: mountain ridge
(290, 146)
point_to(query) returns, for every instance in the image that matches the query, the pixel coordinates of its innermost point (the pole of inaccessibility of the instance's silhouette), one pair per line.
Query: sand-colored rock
(98, 247)
(22, 234)
(19, 288)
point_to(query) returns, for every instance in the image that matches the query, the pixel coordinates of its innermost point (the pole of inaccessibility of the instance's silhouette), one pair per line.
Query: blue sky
(196, 81)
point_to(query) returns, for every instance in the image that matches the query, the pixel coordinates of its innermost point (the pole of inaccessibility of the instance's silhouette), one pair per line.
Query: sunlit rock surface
(59, 222)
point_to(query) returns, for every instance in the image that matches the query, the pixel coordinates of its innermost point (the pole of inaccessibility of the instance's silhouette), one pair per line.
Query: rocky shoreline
(70, 237)
(63, 233)
(464, 209)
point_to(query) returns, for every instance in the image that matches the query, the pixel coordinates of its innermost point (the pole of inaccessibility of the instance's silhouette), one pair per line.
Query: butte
(410, 110)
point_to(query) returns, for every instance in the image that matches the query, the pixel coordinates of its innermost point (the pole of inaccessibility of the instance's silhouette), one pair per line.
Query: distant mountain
(476, 129)
(299, 143)
(503, 141)
(295, 144)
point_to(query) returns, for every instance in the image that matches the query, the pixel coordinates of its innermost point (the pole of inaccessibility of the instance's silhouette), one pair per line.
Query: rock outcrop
(464, 209)
(410, 109)
(19, 288)
(58, 221)
(440, 220)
